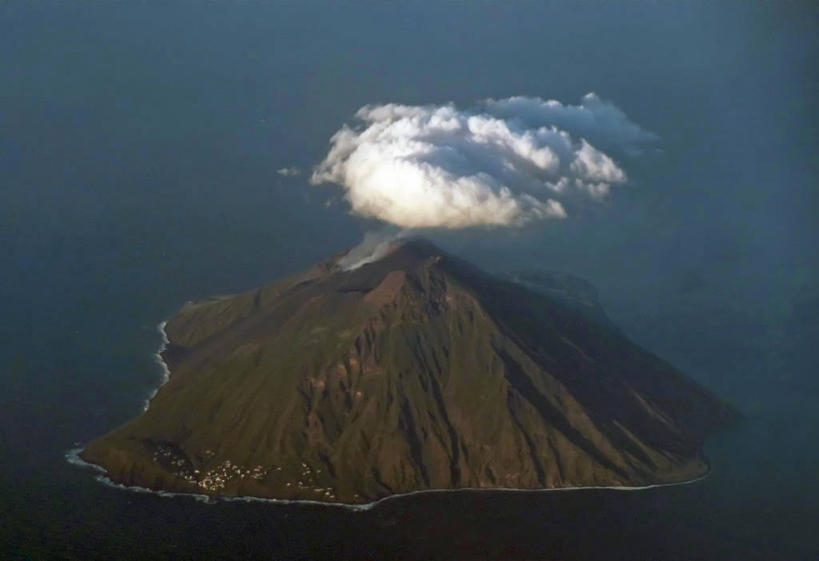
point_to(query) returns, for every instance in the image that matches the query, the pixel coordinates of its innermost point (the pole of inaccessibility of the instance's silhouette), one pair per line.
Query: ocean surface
(139, 143)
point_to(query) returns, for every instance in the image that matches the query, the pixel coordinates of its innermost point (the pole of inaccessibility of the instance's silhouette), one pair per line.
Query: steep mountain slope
(417, 371)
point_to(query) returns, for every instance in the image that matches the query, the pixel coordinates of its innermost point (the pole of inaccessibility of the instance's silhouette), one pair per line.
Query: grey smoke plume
(503, 162)
(373, 247)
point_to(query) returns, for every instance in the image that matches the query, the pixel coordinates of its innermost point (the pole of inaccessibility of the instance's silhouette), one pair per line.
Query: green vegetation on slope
(417, 371)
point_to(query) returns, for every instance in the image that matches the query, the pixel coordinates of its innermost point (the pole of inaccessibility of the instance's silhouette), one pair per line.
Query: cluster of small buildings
(213, 479)
(309, 483)
(216, 478)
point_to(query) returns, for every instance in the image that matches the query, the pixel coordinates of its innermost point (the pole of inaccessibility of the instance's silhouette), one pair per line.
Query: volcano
(416, 371)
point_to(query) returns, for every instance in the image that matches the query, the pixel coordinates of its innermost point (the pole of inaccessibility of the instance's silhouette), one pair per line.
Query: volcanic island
(416, 371)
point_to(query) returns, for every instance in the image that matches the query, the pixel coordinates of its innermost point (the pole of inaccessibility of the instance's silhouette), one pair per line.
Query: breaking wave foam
(166, 372)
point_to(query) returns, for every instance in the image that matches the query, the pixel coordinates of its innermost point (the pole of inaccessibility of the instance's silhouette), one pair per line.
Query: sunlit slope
(414, 372)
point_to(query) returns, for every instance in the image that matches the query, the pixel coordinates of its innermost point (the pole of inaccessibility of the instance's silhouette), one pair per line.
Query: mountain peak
(418, 245)
(405, 251)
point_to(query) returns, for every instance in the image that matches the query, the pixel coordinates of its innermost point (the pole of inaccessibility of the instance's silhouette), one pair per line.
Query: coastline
(166, 372)
(72, 456)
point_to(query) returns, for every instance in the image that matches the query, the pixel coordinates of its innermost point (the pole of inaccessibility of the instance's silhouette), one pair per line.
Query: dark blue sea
(139, 143)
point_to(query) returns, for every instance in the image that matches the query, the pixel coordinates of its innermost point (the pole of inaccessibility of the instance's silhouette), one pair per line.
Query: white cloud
(601, 122)
(503, 162)
(288, 171)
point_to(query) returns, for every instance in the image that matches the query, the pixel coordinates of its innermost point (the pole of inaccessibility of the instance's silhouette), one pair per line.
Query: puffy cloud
(599, 121)
(502, 162)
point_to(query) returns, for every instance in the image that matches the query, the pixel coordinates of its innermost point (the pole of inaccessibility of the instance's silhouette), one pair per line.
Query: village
(216, 479)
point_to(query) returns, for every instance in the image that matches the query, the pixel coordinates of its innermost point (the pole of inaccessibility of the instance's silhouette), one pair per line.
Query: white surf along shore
(166, 372)
(72, 456)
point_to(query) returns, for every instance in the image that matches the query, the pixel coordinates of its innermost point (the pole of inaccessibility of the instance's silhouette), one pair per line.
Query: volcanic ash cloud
(502, 162)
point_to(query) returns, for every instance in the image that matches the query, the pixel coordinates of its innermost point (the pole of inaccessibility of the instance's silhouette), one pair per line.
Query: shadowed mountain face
(417, 371)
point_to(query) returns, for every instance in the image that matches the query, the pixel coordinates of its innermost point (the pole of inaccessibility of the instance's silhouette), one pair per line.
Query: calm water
(138, 149)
